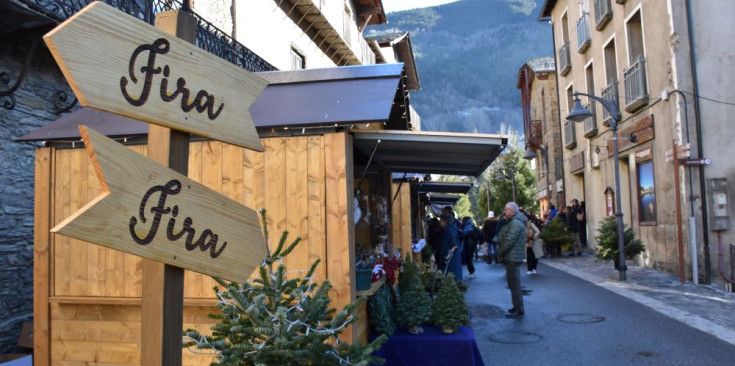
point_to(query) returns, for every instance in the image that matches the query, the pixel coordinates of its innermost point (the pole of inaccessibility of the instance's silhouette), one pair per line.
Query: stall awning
(438, 202)
(325, 97)
(442, 187)
(295, 99)
(431, 152)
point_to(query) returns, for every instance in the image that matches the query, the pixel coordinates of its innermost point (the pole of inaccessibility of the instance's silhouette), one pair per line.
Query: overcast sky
(398, 5)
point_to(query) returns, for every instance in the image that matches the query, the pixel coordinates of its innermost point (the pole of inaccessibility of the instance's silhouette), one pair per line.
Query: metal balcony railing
(603, 13)
(208, 37)
(636, 90)
(590, 124)
(583, 32)
(610, 92)
(565, 60)
(570, 137)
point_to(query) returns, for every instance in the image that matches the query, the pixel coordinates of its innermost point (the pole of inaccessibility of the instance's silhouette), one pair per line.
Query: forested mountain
(468, 54)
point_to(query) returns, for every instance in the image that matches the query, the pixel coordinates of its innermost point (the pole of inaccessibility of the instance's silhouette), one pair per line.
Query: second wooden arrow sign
(153, 212)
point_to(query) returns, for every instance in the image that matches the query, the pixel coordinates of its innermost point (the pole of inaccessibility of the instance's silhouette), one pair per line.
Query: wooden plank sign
(119, 64)
(151, 211)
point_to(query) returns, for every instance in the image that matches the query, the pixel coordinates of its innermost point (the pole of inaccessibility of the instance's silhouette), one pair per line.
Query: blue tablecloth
(431, 348)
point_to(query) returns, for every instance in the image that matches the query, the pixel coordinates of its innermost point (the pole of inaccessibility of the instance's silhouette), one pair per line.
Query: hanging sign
(119, 64)
(151, 211)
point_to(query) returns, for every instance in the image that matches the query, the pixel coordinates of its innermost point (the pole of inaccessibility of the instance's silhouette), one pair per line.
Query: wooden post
(162, 309)
(339, 225)
(42, 220)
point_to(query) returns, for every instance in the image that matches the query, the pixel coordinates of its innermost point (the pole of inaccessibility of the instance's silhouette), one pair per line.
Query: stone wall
(35, 106)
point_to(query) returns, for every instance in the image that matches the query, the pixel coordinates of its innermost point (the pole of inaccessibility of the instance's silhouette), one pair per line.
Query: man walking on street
(573, 224)
(512, 247)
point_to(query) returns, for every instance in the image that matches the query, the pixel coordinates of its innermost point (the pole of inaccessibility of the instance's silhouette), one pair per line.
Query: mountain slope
(468, 54)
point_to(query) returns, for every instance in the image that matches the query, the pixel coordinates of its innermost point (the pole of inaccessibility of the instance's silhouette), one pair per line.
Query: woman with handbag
(532, 241)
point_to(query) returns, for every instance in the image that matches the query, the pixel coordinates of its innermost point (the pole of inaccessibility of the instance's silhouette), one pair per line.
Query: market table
(432, 347)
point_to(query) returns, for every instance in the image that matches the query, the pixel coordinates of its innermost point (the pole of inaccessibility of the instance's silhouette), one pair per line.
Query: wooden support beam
(162, 310)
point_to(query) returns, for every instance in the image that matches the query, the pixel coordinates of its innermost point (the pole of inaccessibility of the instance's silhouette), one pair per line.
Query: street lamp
(503, 176)
(579, 114)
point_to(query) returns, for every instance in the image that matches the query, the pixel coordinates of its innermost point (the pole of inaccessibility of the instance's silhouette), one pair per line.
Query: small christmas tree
(607, 241)
(409, 275)
(555, 234)
(274, 320)
(450, 310)
(414, 305)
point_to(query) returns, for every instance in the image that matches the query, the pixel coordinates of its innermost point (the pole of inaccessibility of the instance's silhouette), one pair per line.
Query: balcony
(208, 37)
(565, 60)
(610, 92)
(583, 33)
(603, 13)
(590, 124)
(636, 91)
(570, 137)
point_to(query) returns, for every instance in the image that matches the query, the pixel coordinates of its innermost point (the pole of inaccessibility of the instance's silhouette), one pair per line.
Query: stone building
(664, 66)
(537, 83)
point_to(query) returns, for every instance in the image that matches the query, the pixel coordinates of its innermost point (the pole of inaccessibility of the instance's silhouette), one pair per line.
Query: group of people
(511, 239)
(448, 235)
(575, 217)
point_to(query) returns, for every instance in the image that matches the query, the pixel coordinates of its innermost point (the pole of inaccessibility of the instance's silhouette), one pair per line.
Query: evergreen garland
(381, 311)
(275, 320)
(450, 309)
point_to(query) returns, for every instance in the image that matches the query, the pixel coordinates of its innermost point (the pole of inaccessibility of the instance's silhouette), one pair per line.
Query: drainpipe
(700, 149)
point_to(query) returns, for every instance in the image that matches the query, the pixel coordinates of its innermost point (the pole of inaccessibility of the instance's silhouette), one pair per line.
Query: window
(646, 193)
(565, 62)
(610, 90)
(636, 83)
(611, 63)
(570, 137)
(590, 124)
(635, 38)
(298, 61)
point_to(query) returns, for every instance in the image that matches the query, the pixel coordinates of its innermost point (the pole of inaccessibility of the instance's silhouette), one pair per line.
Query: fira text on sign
(207, 239)
(202, 102)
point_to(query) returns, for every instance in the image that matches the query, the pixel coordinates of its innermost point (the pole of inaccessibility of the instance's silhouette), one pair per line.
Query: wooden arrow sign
(151, 211)
(122, 65)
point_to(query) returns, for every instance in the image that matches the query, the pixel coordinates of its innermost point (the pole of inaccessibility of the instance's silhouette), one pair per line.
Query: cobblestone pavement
(703, 307)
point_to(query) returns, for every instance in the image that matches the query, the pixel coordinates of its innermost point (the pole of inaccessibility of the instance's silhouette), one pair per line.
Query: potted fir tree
(414, 305)
(554, 235)
(607, 241)
(449, 308)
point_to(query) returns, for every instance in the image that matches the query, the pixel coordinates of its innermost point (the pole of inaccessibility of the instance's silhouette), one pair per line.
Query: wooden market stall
(87, 298)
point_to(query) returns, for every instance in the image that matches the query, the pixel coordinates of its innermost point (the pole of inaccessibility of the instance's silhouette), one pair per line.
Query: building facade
(537, 83)
(663, 64)
(33, 92)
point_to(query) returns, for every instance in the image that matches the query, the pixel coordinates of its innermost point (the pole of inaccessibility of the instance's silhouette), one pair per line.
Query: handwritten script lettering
(207, 239)
(203, 101)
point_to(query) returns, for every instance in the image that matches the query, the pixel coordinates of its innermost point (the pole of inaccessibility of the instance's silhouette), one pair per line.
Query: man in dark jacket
(512, 247)
(573, 224)
(488, 236)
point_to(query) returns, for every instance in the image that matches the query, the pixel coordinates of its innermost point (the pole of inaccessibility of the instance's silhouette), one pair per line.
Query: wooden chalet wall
(400, 220)
(87, 298)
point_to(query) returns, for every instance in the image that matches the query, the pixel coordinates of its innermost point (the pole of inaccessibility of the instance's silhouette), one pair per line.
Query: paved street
(577, 313)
